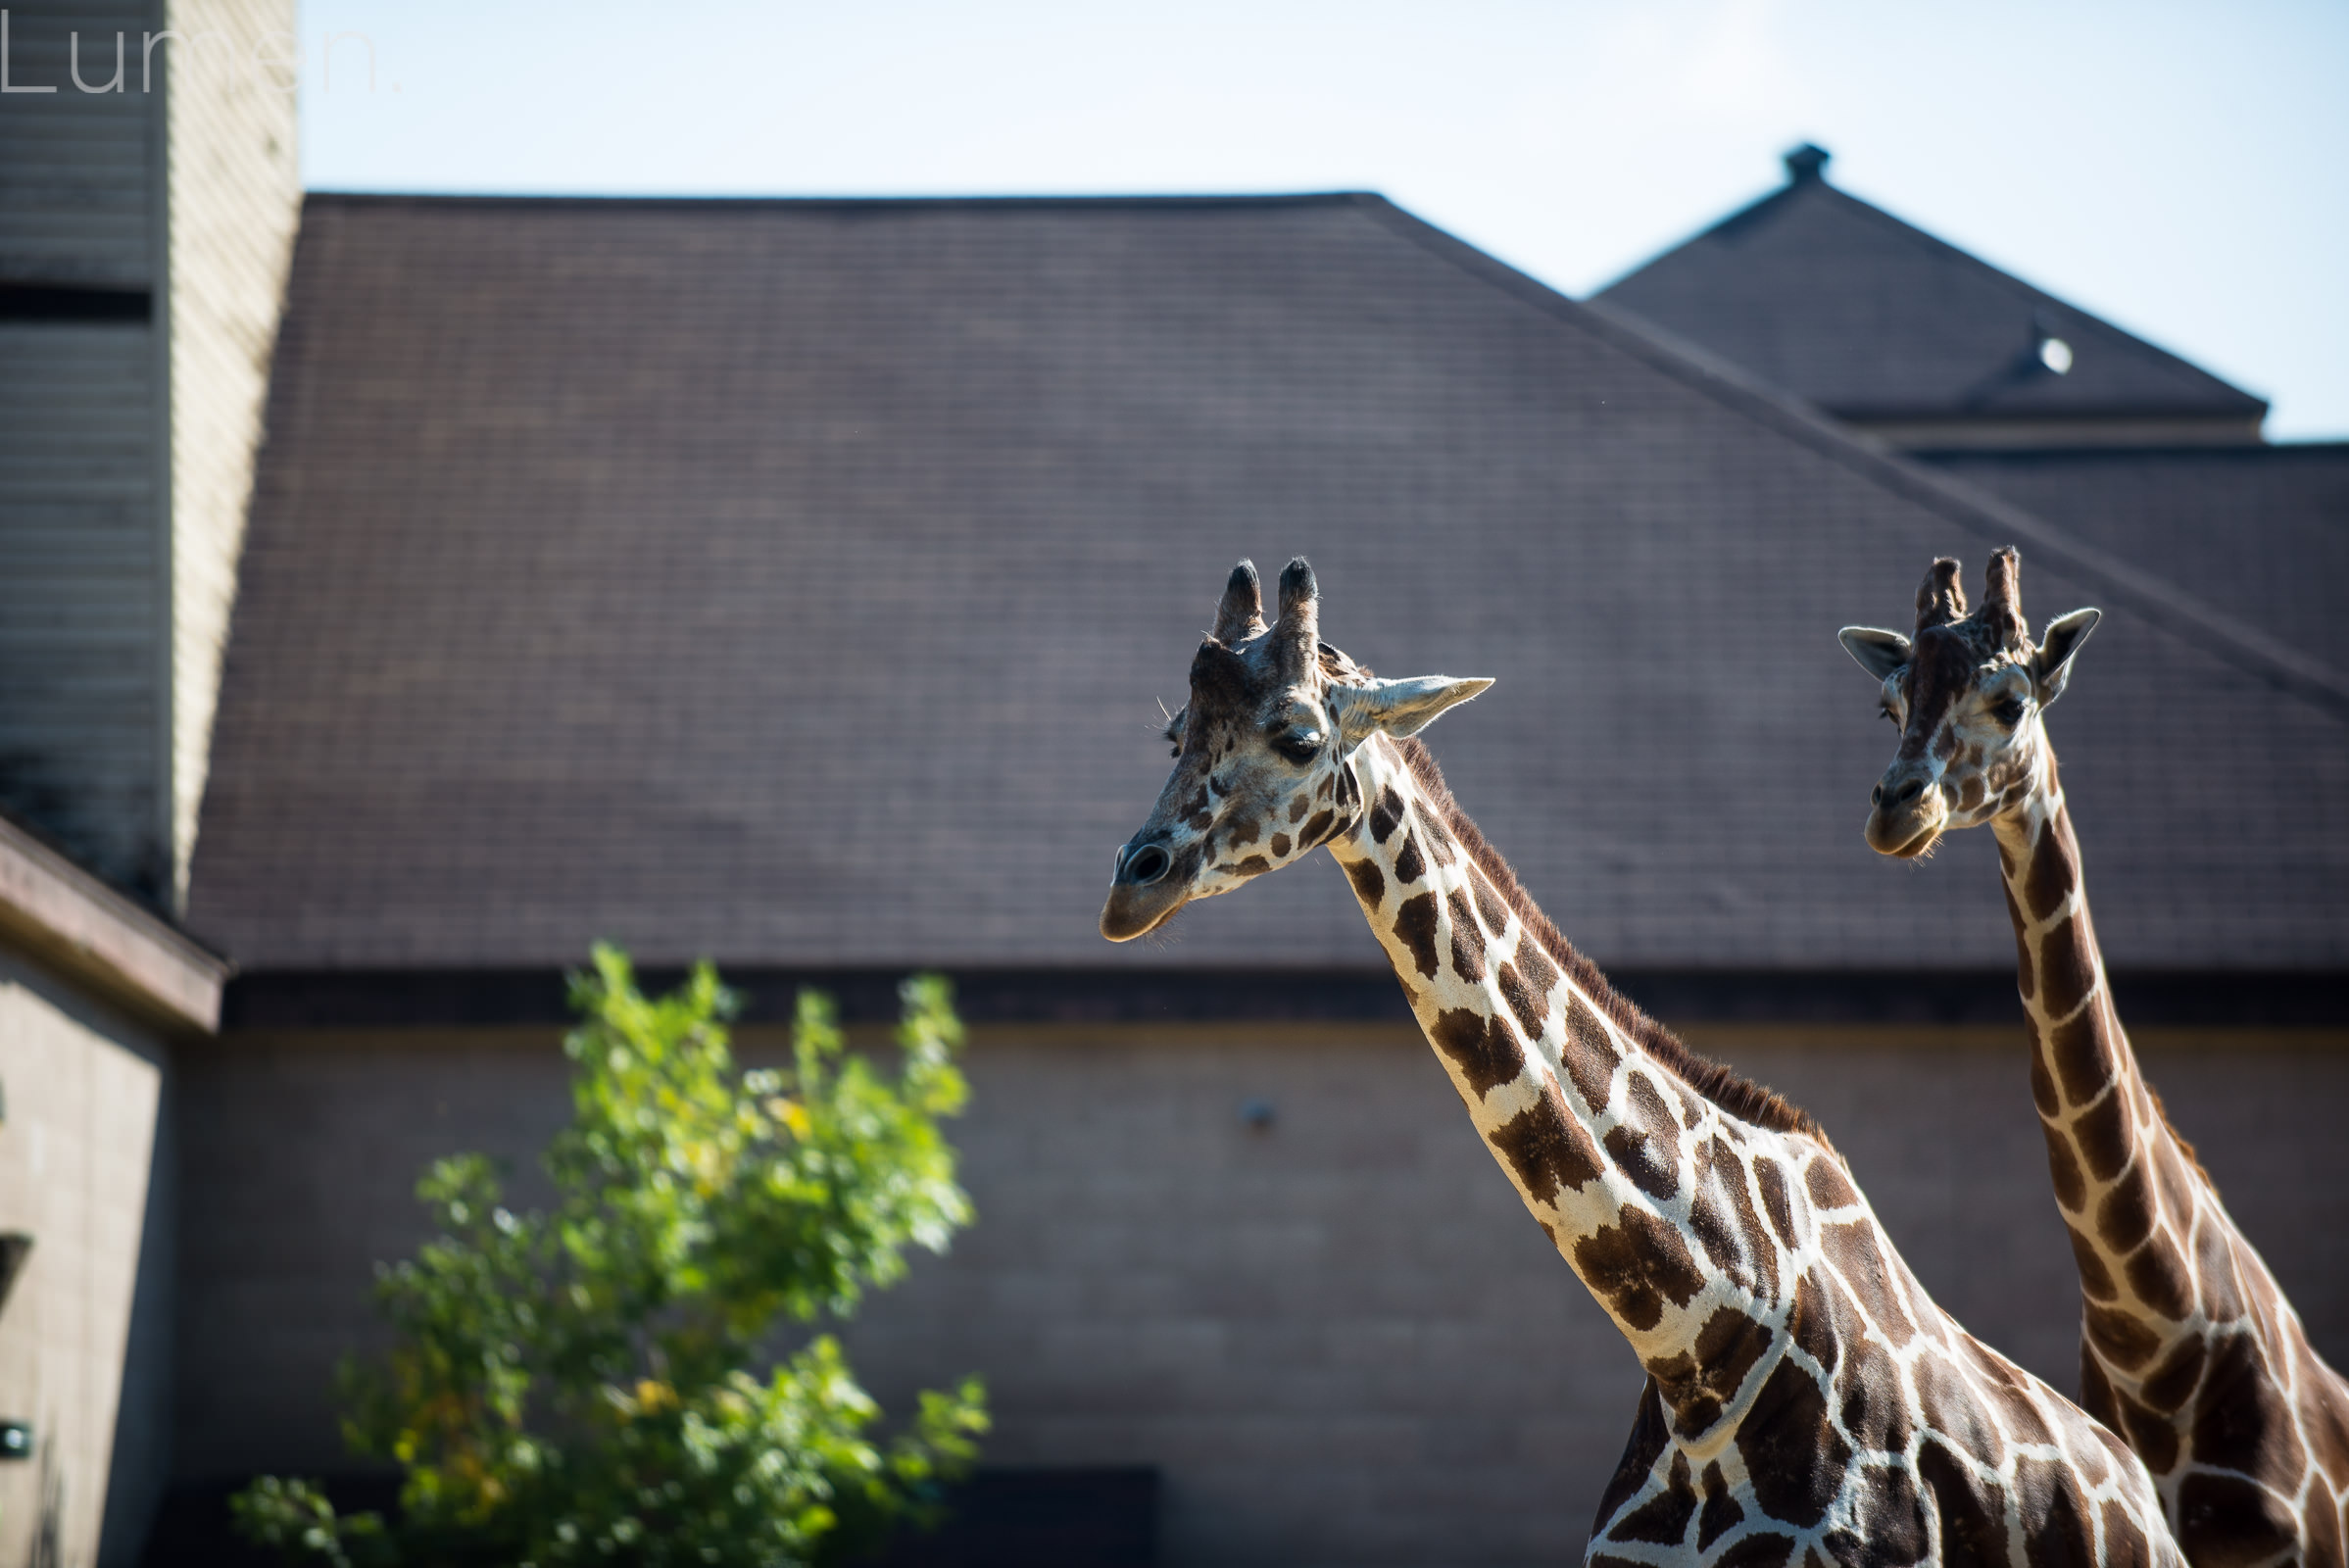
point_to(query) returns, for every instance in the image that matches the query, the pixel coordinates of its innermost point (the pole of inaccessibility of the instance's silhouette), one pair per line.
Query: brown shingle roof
(794, 583)
(2262, 532)
(1840, 303)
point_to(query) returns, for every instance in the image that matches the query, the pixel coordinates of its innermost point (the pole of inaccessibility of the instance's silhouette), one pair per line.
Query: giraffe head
(1260, 774)
(1966, 695)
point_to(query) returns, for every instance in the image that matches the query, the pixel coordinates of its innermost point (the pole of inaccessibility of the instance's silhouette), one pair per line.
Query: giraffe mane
(1733, 1093)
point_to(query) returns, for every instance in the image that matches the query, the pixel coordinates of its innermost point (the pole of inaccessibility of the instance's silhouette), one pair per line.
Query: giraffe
(1806, 1403)
(2188, 1346)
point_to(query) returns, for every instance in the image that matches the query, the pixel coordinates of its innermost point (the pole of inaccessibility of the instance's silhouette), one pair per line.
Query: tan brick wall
(235, 198)
(1341, 1338)
(86, 1330)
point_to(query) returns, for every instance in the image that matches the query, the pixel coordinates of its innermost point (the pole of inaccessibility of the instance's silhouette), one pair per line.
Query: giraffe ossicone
(1807, 1402)
(2188, 1347)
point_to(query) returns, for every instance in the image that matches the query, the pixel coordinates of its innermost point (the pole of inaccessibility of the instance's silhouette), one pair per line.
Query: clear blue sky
(2181, 170)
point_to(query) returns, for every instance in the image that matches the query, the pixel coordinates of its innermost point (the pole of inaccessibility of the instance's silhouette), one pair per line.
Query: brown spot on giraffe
(1527, 981)
(1776, 1201)
(1650, 1438)
(1636, 1265)
(1812, 1326)
(1712, 1217)
(2168, 1386)
(1416, 927)
(2232, 1522)
(2119, 1338)
(2105, 1136)
(1972, 1516)
(2024, 983)
(1699, 1382)
(2125, 1545)
(2042, 1081)
(1318, 829)
(1370, 883)
(1896, 1535)
(2153, 1437)
(1487, 1054)
(2095, 1280)
(1441, 847)
(2082, 1053)
(2051, 878)
(1409, 866)
(2249, 1427)
(1647, 1146)
(1854, 1251)
(1385, 814)
(1791, 1449)
(1828, 1185)
(2066, 972)
(2059, 1527)
(1280, 846)
(2124, 1218)
(1719, 1163)
(2157, 1274)
(1590, 1056)
(1761, 1550)
(1467, 941)
(2063, 1168)
(1663, 1518)
(1253, 866)
(1544, 1145)
(1721, 1511)
(1491, 910)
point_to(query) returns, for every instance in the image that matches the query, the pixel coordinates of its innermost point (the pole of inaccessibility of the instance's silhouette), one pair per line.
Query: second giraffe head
(1967, 694)
(1261, 748)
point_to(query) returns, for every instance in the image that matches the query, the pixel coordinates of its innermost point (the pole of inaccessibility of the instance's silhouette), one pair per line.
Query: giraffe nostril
(1909, 792)
(1876, 796)
(1144, 866)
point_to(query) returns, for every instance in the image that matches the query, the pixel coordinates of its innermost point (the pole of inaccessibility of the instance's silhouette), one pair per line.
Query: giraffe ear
(2051, 663)
(1397, 707)
(1880, 653)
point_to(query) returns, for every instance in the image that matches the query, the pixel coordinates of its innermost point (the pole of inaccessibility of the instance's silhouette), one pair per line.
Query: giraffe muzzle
(1906, 813)
(1152, 882)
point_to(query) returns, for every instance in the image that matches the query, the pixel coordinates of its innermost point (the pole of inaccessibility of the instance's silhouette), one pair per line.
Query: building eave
(69, 921)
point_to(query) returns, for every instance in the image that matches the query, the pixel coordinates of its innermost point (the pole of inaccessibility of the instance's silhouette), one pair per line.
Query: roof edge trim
(71, 923)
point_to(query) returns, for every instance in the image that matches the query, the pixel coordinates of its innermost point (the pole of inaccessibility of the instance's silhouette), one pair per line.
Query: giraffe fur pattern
(2189, 1348)
(1806, 1403)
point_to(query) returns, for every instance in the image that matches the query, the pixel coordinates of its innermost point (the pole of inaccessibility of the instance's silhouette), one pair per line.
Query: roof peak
(1807, 162)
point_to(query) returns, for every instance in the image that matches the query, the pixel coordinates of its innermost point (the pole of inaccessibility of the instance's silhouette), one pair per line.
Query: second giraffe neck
(2165, 1277)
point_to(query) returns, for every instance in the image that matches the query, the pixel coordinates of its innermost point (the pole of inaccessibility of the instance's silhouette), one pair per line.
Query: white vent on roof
(2055, 354)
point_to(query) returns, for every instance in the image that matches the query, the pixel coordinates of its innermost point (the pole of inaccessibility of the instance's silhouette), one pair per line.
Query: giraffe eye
(1300, 746)
(2008, 710)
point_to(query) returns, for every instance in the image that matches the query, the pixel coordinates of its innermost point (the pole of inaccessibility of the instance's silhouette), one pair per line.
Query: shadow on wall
(1025, 1518)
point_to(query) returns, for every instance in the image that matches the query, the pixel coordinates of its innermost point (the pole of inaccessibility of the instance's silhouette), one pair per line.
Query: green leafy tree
(577, 1386)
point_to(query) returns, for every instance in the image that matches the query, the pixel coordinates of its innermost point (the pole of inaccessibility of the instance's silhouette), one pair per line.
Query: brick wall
(1339, 1337)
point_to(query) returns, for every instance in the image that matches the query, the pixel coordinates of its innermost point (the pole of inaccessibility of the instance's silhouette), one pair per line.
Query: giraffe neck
(2129, 1189)
(1647, 1188)
(1804, 1394)
(2180, 1316)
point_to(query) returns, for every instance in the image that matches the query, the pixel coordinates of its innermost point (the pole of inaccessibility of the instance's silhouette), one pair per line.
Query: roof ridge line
(1290, 198)
(2160, 601)
(2028, 291)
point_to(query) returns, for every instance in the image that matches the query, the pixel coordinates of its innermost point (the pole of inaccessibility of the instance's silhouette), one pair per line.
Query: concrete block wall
(85, 1335)
(1339, 1337)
